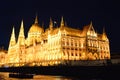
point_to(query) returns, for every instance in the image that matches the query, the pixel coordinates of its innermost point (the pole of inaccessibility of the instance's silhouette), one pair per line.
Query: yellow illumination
(47, 47)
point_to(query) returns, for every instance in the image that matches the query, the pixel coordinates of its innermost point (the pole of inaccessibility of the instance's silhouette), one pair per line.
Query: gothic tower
(21, 44)
(21, 37)
(12, 40)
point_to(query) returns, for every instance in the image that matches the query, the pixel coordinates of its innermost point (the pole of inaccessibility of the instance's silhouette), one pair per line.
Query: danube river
(5, 76)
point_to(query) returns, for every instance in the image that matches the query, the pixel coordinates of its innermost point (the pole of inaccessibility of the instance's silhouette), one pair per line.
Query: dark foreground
(104, 72)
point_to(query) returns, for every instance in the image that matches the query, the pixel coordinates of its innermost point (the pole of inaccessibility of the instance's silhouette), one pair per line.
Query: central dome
(36, 28)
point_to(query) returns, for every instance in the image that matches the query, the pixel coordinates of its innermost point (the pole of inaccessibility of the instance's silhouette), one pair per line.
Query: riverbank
(109, 71)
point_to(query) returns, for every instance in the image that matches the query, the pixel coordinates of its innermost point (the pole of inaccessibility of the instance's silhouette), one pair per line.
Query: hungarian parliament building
(55, 45)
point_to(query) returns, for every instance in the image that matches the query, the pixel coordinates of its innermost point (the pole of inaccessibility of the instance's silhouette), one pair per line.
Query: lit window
(76, 54)
(71, 54)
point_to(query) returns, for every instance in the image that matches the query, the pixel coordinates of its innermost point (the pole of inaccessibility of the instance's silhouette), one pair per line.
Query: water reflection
(5, 76)
(48, 77)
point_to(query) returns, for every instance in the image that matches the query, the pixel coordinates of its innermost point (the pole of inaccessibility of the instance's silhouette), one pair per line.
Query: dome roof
(35, 28)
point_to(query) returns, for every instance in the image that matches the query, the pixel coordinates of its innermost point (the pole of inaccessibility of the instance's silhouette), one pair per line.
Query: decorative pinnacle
(36, 19)
(91, 23)
(62, 22)
(51, 23)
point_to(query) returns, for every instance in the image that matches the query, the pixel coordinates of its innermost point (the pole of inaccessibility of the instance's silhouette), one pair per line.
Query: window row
(73, 44)
(71, 48)
(71, 54)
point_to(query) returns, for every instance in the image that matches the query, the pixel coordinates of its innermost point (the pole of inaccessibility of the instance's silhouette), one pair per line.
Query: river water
(5, 76)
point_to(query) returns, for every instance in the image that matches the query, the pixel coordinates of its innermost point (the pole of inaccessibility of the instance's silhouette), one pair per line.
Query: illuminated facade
(3, 54)
(56, 45)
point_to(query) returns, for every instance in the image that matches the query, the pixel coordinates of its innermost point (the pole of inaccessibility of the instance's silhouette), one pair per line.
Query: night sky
(77, 13)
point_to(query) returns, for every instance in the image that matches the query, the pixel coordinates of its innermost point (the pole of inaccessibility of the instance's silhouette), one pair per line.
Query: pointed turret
(51, 24)
(12, 39)
(36, 19)
(21, 37)
(62, 22)
(91, 24)
(104, 36)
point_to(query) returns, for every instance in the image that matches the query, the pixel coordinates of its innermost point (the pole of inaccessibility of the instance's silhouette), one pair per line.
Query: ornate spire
(36, 19)
(62, 22)
(91, 24)
(51, 24)
(13, 34)
(21, 37)
(12, 39)
(104, 36)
